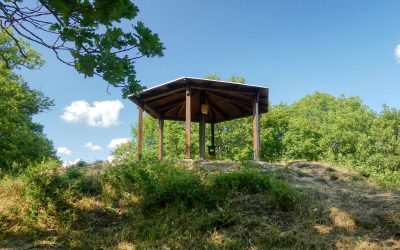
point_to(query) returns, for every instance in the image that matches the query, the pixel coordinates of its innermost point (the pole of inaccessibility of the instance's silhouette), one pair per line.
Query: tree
(382, 146)
(274, 126)
(87, 35)
(21, 140)
(213, 77)
(323, 127)
(237, 79)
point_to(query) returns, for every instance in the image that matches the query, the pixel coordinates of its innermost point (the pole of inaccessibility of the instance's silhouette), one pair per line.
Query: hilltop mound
(296, 205)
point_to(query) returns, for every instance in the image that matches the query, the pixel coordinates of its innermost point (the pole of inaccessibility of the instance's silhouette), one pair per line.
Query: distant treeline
(319, 127)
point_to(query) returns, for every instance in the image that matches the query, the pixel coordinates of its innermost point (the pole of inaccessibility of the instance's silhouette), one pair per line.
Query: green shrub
(249, 181)
(159, 185)
(46, 192)
(50, 189)
(242, 181)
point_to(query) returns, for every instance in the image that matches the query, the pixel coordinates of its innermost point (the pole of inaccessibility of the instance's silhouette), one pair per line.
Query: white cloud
(110, 158)
(70, 163)
(100, 114)
(92, 146)
(117, 141)
(397, 53)
(63, 151)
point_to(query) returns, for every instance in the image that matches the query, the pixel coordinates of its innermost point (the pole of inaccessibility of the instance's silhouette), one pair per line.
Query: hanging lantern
(204, 109)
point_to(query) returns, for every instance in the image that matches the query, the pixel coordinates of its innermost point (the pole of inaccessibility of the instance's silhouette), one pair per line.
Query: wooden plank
(140, 132)
(172, 105)
(171, 112)
(151, 111)
(181, 109)
(160, 138)
(216, 113)
(202, 129)
(163, 93)
(234, 101)
(227, 89)
(219, 110)
(188, 118)
(210, 112)
(146, 108)
(256, 129)
(243, 108)
(232, 96)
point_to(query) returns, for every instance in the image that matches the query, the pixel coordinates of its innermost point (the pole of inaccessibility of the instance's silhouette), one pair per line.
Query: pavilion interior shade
(225, 100)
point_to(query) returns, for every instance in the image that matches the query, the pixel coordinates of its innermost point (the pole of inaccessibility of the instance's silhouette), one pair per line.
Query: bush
(160, 185)
(51, 189)
(242, 181)
(248, 181)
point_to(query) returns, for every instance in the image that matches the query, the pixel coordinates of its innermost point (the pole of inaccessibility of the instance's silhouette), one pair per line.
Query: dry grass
(12, 206)
(358, 214)
(342, 219)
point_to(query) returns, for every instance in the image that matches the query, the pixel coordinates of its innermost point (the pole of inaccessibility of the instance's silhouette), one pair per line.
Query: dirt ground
(366, 213)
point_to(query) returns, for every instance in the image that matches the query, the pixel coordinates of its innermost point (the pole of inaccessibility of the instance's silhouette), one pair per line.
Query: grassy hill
(218, 205)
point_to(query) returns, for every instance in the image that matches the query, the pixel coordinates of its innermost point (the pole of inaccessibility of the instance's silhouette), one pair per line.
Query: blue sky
(293, 47)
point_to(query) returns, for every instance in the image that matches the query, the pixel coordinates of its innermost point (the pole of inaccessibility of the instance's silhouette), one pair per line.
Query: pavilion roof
(226, 100)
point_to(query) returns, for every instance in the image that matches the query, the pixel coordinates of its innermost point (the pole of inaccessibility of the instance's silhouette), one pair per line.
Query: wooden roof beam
(239, 107)
(212, 115)
(167, 107)
(230, 100)
(155, 97)
(224, 90)
(223, 113)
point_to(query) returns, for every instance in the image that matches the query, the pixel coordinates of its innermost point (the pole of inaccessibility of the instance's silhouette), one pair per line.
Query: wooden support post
(256, 128)
(188, 120)
(160, 138)
(212, 134)
(140, 132)
(202, 129)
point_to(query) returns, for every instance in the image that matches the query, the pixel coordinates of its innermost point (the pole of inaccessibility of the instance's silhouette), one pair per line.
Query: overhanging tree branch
(85, 35)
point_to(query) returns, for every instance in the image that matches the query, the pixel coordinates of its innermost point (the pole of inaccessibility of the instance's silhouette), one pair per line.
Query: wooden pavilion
(204, 101)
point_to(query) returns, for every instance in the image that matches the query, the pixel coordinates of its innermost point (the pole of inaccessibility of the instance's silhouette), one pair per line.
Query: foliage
(213, 77)
(49, 191)
(237, 79)
(249, 181)
(80, 164)
(162, 183)
(15, 54)
(88, 35)
(346, 132)
(174, 141)
(21, 140)
(319, 127)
